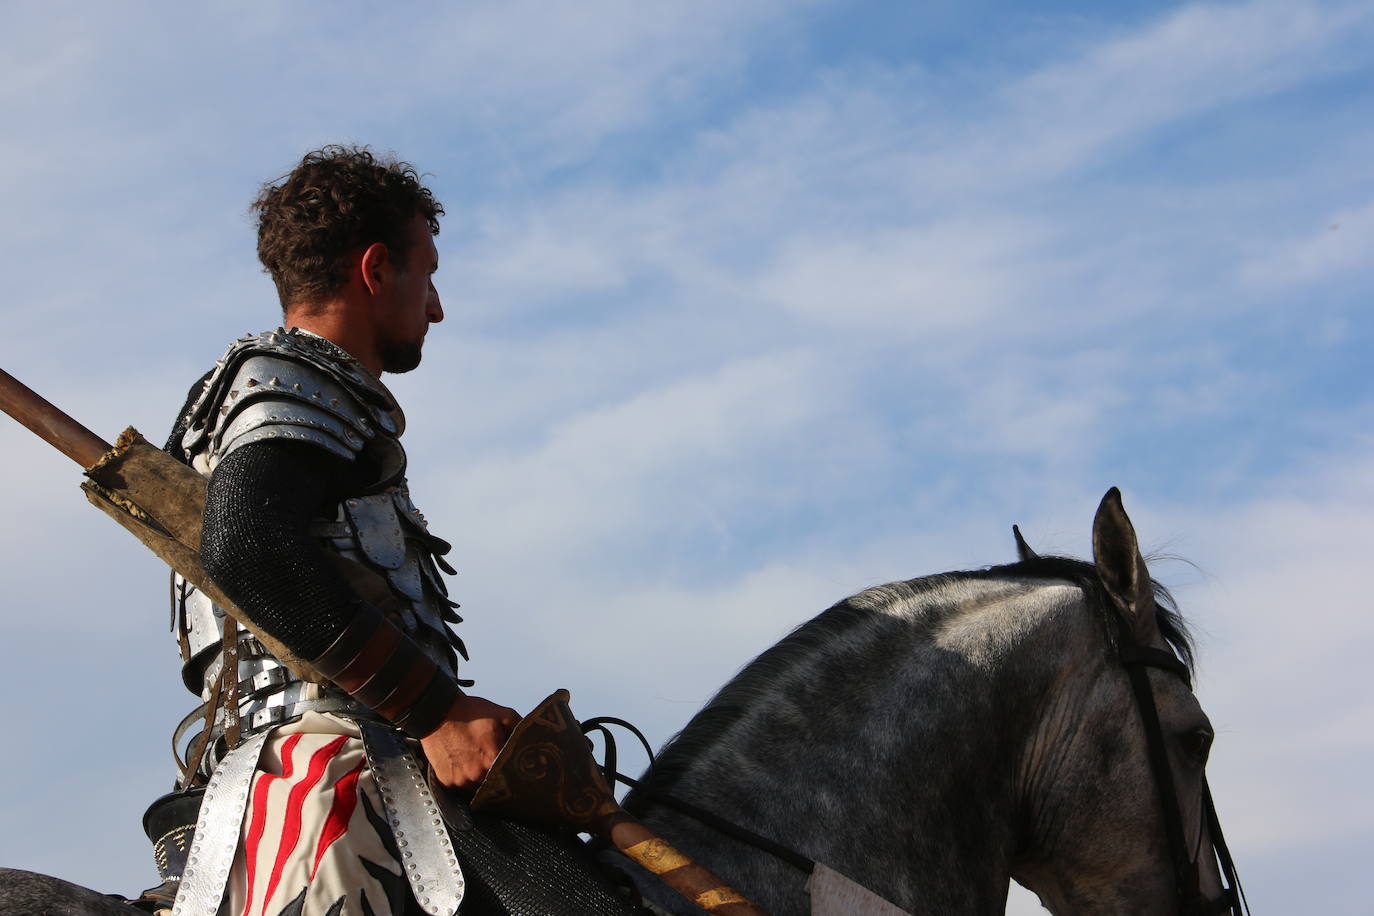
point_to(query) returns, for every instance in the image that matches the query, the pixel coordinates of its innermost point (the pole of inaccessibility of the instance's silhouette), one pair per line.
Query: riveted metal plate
(217, 831)
(379, 530)
(427, 855)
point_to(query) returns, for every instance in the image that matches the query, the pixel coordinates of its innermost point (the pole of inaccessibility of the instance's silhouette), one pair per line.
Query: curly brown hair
(339, 200)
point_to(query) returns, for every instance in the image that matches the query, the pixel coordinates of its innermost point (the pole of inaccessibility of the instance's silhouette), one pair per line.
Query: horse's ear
(1023, 550)
(1121, 568)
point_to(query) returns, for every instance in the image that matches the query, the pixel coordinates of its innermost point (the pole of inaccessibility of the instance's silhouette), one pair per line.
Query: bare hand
(463, 747)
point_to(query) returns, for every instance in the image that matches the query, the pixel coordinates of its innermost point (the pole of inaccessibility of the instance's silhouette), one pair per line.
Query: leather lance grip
(545, 773)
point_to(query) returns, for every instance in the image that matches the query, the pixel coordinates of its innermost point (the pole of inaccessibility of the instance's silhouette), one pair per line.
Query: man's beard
(399, 356)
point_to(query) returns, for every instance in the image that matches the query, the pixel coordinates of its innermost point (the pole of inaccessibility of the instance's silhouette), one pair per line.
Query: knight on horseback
(315, 781)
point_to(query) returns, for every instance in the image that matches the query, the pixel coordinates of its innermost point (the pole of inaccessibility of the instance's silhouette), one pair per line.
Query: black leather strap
(1136, 659)
(710, 819)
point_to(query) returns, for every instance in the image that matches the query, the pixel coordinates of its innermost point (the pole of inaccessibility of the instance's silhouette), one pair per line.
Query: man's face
(414, 304)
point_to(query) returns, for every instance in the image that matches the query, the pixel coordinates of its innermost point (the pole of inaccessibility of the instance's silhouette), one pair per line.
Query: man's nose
(435, 311)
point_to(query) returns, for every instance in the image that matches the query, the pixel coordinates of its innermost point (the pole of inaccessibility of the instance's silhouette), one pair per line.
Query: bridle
(1135, 658)
(1187, 872)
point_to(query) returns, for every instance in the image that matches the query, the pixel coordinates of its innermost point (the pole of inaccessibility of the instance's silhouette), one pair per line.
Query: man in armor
(301, 791)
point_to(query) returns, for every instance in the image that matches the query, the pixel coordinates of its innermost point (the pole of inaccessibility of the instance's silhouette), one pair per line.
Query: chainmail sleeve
(309, 527)
(257, 547)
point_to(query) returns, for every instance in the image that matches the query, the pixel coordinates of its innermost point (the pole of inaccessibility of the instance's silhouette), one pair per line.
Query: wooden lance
(544, 773)
(153, 496)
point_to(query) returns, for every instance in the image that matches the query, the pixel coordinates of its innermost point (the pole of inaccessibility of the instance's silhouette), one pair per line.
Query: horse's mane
(761, 675)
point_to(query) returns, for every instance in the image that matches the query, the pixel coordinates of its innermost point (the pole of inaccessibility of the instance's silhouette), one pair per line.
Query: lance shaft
(50, 424)
(149, 493)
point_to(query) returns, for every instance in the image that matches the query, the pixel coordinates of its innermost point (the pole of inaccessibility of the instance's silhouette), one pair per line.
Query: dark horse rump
(24, 893)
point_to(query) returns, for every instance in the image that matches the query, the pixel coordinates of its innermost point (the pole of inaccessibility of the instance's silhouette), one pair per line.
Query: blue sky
(750, 305)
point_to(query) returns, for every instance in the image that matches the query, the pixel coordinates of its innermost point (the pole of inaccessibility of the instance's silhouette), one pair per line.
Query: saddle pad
(832, 894)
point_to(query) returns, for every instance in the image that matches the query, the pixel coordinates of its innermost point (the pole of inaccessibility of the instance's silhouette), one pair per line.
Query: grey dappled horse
(932, 739)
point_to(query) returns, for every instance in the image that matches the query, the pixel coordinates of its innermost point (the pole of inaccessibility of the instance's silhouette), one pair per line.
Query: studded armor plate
(294, 385)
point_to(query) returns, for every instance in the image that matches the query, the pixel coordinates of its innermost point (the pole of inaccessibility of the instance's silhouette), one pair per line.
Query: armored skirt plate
(426, 853)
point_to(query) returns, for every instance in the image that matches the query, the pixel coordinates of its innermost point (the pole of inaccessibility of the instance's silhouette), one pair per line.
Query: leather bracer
(385, 670)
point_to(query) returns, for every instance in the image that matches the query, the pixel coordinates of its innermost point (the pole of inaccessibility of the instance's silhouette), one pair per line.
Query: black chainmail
(257, 547)
(515, 869)
(256, 544)
(173, 446)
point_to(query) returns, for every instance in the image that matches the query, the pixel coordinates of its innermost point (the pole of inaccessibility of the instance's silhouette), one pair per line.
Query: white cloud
(1198, 58)
(622, 467)
(806, 342)
(932, 279)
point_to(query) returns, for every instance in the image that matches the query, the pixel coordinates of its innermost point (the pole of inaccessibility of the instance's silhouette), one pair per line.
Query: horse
(936, 738)
(933, 739)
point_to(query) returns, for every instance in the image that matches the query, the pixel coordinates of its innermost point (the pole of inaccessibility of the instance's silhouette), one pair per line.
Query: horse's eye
(1197, 743)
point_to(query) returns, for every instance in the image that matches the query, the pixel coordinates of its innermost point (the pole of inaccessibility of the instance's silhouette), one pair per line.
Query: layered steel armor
(297, 386)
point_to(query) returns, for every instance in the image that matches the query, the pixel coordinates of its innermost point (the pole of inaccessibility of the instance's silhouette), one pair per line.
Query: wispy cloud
(738, 326)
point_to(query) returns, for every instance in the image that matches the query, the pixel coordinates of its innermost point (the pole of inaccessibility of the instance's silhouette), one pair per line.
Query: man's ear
(375, 265)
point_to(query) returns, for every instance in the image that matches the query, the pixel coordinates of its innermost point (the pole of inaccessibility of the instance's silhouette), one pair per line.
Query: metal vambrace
(385, 670)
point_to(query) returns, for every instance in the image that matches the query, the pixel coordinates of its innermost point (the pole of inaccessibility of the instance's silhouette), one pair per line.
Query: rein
(1136, 658)
(710, 819)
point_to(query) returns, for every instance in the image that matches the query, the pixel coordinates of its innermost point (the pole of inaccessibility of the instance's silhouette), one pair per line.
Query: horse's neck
(889, 754)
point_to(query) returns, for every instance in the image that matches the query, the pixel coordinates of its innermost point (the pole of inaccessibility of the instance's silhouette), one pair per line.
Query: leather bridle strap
(1234, 895)
(1185, 867)
(1136, 658)
(709, 818)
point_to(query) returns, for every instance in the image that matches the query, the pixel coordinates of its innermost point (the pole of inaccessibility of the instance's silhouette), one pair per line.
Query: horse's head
(1116, 817)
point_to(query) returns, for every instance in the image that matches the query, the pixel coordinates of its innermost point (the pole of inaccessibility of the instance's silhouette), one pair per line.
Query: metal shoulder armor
(293, 385)
(296, 386)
